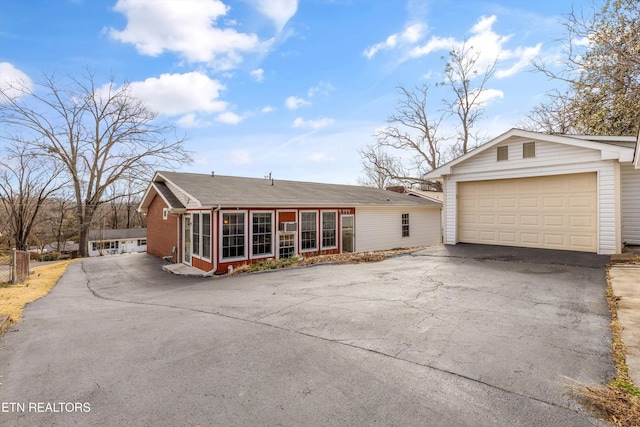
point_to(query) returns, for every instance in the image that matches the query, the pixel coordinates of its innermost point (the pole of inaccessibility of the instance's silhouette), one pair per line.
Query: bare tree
(26, 182)
(98, 134)
(414, 143)
(378, 168)
(553, 117)
(468, 87)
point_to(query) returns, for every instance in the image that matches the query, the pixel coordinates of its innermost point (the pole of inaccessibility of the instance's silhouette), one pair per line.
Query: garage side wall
(551, 159)
(630, 180)
(380, 228)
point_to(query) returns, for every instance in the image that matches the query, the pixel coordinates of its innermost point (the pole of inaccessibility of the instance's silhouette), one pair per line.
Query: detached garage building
(567, 192)
(213, 222)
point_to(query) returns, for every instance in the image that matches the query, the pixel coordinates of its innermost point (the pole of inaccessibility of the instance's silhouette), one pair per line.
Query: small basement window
(528, 150)
(503, 153)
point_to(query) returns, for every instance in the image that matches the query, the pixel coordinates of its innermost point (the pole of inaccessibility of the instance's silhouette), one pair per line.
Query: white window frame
(273, 231)
(246, 236)
(278, 233)
(316, 248)
(201, 238)
(335, 229)
(196, 217)
(408, 224)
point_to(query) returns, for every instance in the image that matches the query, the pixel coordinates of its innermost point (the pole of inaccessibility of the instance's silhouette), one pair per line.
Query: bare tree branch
(98, 134)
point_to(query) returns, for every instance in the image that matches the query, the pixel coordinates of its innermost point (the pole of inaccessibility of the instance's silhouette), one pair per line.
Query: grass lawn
(13, 298)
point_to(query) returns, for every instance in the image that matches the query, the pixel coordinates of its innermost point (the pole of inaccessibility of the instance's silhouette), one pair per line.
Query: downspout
(210, 273)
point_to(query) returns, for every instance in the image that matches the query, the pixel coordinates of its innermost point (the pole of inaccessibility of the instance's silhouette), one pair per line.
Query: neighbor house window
(142, 242)
(503, 153)
(206, 235)
(196, 234)
(529, 149)
(329, 227)
(405, 225)
(96, 246)
(233, 235)
(261, 233)
(308, 230)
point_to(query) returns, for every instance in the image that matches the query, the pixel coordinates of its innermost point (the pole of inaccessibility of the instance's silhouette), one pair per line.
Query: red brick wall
(162, 235)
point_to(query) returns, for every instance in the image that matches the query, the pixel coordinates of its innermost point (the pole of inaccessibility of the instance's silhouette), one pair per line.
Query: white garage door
(555, 212)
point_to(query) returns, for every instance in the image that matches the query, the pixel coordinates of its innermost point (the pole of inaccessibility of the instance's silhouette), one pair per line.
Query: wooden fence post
(14, 266)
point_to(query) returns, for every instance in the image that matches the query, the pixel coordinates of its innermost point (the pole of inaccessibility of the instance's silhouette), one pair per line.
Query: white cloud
(267, 109)
(293, 102)
(489, 45)
(279, 11)
(488, 95)
(186, 27)
(434, 44)
(525, 56)
(175, 94)
(241, 158)
(229, 118)
(323, 88)
(12, 78)
(190, 121)
(411, 34)
(258, 74)
(299, 122)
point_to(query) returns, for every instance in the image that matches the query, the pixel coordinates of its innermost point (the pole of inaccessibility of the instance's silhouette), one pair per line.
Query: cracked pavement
(450, 335)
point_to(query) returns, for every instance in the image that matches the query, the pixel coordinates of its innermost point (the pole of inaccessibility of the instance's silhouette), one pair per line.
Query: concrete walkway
(625, 280)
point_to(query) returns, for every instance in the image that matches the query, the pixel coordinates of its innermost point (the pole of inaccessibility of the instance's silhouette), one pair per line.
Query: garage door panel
(508, 237)
(529, 220)
(507, 220)
(558, 212)
(530, 238)
(554, 221)
(580, 202)
(529, 202)
(582, 221)
(553, 202)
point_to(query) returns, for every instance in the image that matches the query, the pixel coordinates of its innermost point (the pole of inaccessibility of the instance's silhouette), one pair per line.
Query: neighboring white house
(111, 242)
(569, 192)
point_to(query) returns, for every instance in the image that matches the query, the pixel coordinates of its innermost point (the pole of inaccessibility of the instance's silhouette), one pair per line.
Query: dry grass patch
(13, 298)
(620, 399)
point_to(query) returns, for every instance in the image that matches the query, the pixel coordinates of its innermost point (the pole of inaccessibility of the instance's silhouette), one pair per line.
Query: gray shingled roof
(237, 191)
(171, 198)
(125, 233)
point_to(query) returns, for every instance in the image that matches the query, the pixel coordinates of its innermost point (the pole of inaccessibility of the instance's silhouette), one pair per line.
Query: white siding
(380, 228)
(547, 153)
(581, 160)
(630, 182)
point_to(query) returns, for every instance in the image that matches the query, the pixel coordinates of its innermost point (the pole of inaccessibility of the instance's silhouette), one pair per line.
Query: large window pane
(261, 233)
(233, 235)
(308, 230)
(196, 234)
(329, 227)
(206, 235)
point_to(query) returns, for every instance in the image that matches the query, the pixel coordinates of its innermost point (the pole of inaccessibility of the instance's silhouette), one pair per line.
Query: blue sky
(289, 87)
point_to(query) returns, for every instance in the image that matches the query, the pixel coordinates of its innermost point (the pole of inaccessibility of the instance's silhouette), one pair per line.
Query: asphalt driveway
(462, 335)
